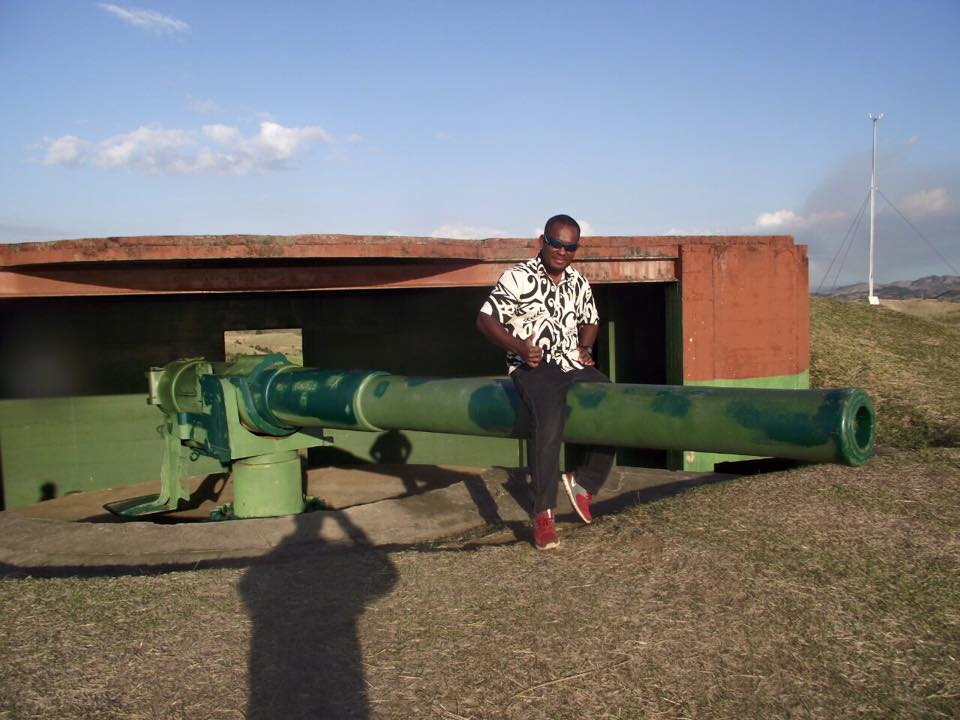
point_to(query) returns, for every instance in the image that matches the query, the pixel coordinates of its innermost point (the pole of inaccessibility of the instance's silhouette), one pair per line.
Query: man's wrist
(517, 346)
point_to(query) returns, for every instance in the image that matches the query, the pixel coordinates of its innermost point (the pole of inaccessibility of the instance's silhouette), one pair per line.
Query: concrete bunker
(81, 321)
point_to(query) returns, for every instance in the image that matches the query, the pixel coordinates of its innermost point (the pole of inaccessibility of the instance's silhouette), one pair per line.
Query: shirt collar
(541, 268)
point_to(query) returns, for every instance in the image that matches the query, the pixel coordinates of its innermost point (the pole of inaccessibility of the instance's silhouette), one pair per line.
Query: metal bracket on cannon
(210, 410)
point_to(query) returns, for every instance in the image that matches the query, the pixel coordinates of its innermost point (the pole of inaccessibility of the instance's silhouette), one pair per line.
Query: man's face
(556, 259)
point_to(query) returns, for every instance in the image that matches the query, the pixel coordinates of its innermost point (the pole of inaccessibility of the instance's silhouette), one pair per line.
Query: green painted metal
(813, 425)
(55, 446)
(701, 461)
(176, 385)
(247, 415)
(674, 334)
(394, 447)
(268, 485)
(211, 410)
(610, 350)
(299, 396)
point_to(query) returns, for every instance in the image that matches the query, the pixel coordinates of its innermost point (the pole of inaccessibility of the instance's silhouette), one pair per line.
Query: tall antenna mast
(871, 297)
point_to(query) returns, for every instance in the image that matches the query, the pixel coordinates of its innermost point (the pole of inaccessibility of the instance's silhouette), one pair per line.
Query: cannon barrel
(250, 414)
(833, 425)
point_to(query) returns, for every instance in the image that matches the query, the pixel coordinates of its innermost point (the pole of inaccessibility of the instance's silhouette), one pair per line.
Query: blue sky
(465, 119)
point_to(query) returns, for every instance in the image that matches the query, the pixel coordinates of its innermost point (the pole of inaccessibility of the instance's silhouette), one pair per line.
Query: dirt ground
(823, 592)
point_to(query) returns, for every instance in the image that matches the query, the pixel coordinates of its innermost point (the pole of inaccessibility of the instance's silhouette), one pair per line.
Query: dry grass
(939, 310)
(908, 363)
(262, 342)
(822, 592)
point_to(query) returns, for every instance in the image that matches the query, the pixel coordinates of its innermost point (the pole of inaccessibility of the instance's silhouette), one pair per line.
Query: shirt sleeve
(504, 299)
(586, 308)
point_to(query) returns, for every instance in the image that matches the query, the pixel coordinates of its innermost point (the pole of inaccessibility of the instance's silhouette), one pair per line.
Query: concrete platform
(338, 487)
(402, 505)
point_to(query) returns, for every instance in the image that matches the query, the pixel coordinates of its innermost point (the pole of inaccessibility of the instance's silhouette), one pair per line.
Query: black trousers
(543, 390)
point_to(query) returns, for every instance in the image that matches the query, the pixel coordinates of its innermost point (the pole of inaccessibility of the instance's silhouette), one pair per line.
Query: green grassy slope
(910, 366)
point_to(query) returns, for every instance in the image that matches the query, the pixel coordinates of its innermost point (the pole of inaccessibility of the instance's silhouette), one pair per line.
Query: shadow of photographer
(304, 602)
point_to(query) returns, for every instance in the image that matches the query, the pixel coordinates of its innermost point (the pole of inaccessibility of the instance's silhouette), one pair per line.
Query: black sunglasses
(553, 242)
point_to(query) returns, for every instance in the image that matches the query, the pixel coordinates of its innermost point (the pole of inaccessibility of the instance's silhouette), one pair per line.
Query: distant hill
(932, 287)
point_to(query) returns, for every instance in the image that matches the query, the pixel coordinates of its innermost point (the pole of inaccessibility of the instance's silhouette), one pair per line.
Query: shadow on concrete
(391, 448)
(519, 487)
(304, 605)
(327, 455)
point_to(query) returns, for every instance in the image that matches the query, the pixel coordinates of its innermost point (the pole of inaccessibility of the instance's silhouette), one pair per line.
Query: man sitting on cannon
(543, 314)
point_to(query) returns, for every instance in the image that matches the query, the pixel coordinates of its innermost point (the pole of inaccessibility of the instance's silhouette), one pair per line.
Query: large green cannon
(255, 414)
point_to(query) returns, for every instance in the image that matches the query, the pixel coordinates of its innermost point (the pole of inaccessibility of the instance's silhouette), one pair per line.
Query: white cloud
(222, 134)
(65, 150)
(467, 232)
(276, 143)
(146, 148)
(217, 149)
(776, 218)
(926, 202)
(788, 220)
(147, 19)
(354, 138)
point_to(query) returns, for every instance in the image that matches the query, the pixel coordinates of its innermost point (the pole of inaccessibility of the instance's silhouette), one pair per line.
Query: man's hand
(497, 333)
(532, 353)
(586, 359)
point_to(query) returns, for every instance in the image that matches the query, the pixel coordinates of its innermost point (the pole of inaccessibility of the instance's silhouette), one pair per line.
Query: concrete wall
(745, 310)
(73, 413)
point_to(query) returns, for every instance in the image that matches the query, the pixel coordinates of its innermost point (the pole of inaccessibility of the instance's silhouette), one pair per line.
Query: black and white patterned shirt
(527, 302)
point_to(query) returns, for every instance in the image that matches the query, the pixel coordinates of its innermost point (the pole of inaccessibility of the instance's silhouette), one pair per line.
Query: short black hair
(561, 220)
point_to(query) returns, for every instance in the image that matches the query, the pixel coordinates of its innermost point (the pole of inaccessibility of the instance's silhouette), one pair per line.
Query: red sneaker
(579, 497)
(544, 531)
